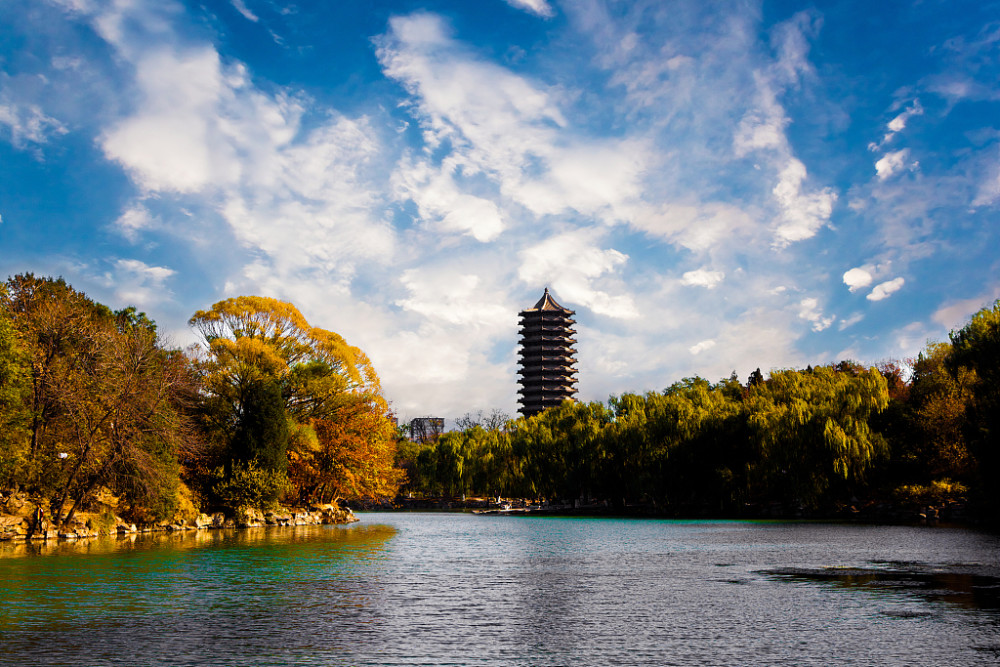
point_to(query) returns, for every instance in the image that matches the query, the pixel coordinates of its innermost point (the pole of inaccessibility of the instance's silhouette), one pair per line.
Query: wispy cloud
(27, 124)
(809, 310)
(539, 7)
(886, 289)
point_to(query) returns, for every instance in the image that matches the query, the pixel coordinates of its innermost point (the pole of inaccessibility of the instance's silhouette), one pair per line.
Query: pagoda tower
(547, 356)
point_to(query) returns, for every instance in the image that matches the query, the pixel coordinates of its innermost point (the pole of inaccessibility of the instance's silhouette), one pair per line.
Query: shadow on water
(955, 584)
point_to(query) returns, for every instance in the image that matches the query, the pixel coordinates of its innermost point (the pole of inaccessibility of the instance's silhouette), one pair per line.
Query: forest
(265, 410)
(919, 432)
(269, 411)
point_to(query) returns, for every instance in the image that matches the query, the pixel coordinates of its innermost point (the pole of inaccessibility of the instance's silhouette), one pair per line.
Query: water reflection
(178, 598)
(190, 539)
(953, 584)
(406, 589)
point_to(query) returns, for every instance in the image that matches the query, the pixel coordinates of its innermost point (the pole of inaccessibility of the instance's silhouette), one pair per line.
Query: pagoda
(547, 356)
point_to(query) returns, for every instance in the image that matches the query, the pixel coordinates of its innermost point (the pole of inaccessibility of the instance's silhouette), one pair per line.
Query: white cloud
(139, 284)
(809, 310)
(703, 278)
(242, 8)
(575, 267)
(504, 129)
(440, 201)
(886, 289)
(697, 227)
(698, 348)
(539, 7)
(955, 314)
(133, 220)
(850, 321)
(857, 278)
(890, 163)
(762, 131)
(178, 140)
(28, 124)
(803, 212)
(898, 123)
(443, 295)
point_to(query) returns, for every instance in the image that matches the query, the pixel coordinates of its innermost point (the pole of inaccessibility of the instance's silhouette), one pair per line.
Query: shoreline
(881, 513)
(18, 528)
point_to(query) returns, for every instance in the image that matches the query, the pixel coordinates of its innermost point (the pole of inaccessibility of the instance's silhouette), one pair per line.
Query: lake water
(459, 589)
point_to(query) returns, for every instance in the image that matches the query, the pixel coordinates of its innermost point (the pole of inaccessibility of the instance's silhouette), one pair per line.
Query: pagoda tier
(547, 356)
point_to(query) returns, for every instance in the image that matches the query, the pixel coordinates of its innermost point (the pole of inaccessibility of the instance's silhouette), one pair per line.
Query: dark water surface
(458, 589)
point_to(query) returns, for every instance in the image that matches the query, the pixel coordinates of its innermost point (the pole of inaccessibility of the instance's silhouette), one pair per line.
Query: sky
(711, 186)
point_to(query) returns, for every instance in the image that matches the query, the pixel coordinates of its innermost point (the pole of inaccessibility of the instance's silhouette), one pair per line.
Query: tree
(354, 459)
(262, 430)
(14, 394)
(263, 365)
(813, 429)
(103, 401)
(934, 445)
(976, 349)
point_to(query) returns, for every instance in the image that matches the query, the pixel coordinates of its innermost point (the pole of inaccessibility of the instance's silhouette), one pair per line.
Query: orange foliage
(354, 459)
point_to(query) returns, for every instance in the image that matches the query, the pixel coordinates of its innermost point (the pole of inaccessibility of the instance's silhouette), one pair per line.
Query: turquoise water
(458, 589)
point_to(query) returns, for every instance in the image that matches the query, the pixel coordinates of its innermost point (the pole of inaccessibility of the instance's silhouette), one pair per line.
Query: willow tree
(813, 428)
(252, 346)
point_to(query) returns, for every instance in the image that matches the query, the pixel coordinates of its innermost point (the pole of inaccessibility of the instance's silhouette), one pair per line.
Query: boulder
(248, 517)
(17, 504)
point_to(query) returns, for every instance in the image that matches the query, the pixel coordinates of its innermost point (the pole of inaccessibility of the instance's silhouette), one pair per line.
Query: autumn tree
(101, 400)
(257, 349)
(14, 393)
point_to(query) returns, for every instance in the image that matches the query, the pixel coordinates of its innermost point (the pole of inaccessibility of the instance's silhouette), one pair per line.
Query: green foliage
(248, 484)
(814, 428)
(262, 432)
(936, 493)
(15, 417)
(976, 350)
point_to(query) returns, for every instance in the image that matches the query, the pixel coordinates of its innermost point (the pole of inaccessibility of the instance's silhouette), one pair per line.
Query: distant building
(425, 429)
(547, 356)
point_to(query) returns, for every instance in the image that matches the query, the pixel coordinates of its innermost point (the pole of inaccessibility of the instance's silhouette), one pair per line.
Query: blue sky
(710, 186)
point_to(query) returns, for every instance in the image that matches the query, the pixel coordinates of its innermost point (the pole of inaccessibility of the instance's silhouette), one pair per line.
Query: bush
(249, 485)
(937, 492)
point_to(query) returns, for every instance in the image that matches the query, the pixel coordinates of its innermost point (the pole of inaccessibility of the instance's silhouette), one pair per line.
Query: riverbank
(871, 512)
(18, 521)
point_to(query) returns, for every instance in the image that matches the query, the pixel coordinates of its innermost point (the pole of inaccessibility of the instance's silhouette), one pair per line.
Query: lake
(460, 589)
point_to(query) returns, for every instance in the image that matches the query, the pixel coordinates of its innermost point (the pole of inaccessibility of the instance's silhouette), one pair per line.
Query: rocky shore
(17, 521)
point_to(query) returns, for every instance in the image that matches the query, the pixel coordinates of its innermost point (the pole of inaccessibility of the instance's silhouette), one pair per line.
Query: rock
(15, 504)
(218, 520)
(248, 517)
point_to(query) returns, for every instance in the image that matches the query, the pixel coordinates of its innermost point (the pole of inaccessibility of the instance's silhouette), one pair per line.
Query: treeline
(266, 410)
(922, 432)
